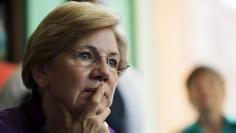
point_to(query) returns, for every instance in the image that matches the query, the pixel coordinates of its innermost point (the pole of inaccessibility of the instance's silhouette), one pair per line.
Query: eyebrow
(92, 48)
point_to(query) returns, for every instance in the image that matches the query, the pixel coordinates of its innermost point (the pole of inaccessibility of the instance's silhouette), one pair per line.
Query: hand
(88, 121)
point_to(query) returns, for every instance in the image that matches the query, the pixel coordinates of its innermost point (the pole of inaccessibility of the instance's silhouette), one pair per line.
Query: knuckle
(94, 102)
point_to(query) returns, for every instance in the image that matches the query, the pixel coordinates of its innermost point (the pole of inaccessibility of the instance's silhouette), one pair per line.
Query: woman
(206, 91)
(72, 63)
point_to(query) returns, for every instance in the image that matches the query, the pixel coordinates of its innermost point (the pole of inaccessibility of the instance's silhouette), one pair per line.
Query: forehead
(102, 40)
(206, 78)
(206, 75)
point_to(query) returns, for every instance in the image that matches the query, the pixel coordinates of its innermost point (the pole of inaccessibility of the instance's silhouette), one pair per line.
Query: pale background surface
(186, 33)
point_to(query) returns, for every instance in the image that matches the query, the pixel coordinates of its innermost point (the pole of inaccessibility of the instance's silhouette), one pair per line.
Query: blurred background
(167, 39)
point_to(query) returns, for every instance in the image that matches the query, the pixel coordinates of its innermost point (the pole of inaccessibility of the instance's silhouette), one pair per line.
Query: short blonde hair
(62, 27)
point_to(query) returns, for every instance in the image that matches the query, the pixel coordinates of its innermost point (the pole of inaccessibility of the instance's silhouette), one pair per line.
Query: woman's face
(75, 74)
(207, 93)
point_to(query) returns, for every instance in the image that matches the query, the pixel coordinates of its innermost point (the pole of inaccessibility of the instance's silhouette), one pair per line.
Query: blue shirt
(28, 118)
(228, 127)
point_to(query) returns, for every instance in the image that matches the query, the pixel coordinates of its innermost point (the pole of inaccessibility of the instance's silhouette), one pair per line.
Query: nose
(101, 72)
(205, 90)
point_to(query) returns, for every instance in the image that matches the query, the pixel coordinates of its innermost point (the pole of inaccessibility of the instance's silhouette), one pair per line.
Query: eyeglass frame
(76, 52)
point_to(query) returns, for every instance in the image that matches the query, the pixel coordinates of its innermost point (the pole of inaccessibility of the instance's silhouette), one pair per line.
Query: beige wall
(173, 36)
(173, 109)
(162, 62)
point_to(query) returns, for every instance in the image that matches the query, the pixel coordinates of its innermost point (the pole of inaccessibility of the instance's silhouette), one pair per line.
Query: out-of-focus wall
(187, 33)
(161, 58)
(173, 108)
(37, 10)
(145, 21)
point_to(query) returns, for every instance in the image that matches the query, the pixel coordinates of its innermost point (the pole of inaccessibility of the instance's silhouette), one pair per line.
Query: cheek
(193, 98)
(64, 85)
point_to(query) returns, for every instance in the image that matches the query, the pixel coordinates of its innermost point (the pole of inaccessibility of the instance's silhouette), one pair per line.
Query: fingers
(101, 117)
(105, 124)
(106, 127)
(97, 97)
(89, 120)
(95, 101)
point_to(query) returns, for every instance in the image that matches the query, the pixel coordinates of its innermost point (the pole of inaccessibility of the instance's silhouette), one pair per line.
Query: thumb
(106, 126)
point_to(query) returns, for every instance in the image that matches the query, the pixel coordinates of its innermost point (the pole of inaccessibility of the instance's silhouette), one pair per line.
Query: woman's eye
(113, 63)
(84, 56)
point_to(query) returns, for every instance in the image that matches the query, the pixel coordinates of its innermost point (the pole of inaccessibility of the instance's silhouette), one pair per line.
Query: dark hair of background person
(203, 69)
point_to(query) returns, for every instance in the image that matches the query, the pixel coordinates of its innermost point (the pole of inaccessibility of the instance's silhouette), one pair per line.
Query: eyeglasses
(88, 58)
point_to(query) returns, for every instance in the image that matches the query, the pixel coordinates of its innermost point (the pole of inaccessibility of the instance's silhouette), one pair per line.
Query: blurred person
(206, 91)
(6, 70)
(72, 64)
(13, 92)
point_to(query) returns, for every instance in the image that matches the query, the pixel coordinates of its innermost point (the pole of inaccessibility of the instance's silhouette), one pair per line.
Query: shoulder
(230, 123)
(191, 128)
(111, 130)
(11, 120)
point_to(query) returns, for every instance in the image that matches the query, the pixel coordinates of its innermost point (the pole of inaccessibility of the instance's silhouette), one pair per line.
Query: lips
(90, 91)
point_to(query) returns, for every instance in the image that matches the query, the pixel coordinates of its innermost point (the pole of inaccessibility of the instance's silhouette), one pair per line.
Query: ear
(40, 75)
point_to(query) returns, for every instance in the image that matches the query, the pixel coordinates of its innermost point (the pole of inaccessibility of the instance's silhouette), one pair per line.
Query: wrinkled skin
(88, 121)
(68, 106)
